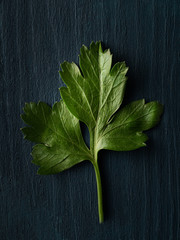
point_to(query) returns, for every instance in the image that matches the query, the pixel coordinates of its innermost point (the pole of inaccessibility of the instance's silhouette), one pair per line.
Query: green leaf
(93, 95)
(57, 131)
(124, 133)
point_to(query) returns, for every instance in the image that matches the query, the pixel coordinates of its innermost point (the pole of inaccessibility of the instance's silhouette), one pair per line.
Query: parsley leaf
(57, 131)
(93, 95)
(124, 133)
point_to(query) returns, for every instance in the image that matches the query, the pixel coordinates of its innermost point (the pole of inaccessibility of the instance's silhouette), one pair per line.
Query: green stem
(99, 192)
(98, 177)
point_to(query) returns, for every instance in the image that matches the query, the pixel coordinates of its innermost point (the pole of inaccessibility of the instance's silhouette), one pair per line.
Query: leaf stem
(99, 192)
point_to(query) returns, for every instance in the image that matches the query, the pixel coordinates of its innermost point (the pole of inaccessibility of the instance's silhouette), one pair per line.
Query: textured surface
(141, 188)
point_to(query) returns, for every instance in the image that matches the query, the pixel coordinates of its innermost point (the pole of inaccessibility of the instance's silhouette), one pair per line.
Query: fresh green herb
(93, 97)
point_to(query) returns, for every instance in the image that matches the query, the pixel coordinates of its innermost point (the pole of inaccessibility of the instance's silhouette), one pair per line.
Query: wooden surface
(140, 188)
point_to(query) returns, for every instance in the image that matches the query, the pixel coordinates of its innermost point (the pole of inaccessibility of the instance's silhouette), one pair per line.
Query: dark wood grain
(141, 188)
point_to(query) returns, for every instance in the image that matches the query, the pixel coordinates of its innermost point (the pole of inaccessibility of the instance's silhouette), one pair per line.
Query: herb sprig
(93, 95)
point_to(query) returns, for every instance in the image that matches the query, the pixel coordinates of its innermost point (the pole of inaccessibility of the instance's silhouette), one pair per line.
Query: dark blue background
(141, 188)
